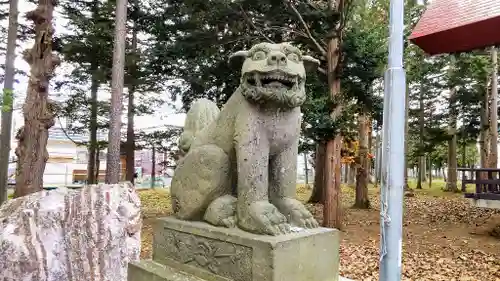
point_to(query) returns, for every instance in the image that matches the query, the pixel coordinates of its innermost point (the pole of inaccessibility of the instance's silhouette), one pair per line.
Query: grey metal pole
(393, 158)
(378, 158)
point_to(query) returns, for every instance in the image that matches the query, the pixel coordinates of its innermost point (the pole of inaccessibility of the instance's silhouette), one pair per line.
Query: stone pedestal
(198, 251)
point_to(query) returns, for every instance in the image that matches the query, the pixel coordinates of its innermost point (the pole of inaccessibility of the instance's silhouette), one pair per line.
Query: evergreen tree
(88, 48)
(4, 14)
(364, 61)
(7, 98)
(467, 78)
(425, 118)
(23, 33)
(144, 86)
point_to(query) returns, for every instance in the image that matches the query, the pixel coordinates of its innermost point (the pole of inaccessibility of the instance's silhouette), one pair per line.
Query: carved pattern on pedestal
(218, 257)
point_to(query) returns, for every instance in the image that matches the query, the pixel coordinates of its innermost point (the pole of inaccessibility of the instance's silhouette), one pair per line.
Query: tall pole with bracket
(393, 159)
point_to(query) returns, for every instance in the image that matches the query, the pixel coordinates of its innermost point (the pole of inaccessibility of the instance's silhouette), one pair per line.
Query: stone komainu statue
(239, 164)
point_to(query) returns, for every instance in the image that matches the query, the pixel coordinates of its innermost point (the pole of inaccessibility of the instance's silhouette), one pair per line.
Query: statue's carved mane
(289, 99)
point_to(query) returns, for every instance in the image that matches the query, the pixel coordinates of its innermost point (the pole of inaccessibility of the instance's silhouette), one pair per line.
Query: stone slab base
(222, 254)
(148, 270)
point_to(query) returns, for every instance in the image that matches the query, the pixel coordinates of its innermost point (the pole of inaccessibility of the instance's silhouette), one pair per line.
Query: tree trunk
(421, 172)
(424, 176)
(484, 135)
(94, 88)
(430, 171)
(343, 175)
(153, 166)
(113, 159)
(464, 152)
(93, 145)
(97, 164)
(37, 110)
(351, 174)
(493, 156)
(407, 110)
(319, 174)
(91, 179)
(378, 159)
(421, 124)
(332, 207)
(451, 184)
(369, 149)
(130, 151)
(361, 200)
(8, 100)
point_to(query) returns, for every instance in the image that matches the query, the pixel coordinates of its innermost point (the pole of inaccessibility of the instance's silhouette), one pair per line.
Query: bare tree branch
(298, 33)
(247, 18)
(306, 28)
(346, 10)
(66, 133)
(286, 29)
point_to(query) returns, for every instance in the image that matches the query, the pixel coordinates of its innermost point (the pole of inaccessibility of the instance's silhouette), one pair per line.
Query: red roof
(449, 26)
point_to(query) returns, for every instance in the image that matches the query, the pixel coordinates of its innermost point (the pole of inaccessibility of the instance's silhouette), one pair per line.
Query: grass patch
(155, 202)
(304, 192)
(437, 188)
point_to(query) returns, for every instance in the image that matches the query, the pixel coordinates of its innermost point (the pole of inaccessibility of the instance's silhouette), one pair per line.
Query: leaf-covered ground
(444, 238)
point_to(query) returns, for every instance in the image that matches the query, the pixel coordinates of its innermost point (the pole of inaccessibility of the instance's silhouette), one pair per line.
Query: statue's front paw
(262, 217)
(295, 212)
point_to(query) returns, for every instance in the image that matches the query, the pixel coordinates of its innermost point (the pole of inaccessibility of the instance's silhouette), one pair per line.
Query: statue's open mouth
(275, 79)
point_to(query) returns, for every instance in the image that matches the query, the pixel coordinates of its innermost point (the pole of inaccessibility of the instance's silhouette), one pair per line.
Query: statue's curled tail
(200, 115)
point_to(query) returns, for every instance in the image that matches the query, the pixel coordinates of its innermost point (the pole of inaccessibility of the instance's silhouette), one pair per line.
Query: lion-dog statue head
(274, 74)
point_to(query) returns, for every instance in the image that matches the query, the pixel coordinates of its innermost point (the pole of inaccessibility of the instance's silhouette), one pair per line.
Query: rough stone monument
(233, 192)
(71, 235)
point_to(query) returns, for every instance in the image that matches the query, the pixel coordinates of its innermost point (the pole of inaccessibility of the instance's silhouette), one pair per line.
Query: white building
(67, 161)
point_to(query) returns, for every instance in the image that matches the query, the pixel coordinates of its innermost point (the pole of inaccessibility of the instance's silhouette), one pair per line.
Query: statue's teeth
(257, 80)
(275, 76)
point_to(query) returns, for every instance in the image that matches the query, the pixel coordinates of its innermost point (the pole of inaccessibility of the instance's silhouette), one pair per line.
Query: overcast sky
(164, 116)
